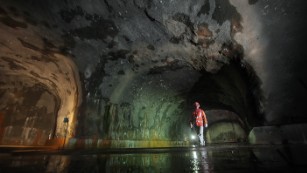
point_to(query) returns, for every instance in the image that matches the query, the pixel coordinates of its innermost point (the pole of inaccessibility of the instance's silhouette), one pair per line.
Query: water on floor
(192, 159)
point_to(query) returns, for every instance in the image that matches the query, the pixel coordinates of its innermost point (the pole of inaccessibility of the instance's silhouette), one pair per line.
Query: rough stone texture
(286, 134)
(123, 69)
(40, 85)
(265, 135)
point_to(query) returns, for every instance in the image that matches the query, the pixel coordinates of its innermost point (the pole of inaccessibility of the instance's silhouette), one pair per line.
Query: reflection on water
(121, 163)
(209, 159)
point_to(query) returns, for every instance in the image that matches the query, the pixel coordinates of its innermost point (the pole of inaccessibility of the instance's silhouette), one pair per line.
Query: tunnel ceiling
(139, 62)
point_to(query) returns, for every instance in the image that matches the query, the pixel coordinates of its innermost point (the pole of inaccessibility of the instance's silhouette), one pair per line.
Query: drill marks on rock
(13, 64)
(8, 21)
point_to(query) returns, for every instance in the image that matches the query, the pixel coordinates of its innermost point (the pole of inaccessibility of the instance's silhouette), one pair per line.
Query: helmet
(196, 104)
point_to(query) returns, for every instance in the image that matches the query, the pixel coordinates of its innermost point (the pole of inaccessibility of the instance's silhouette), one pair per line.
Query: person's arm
(191, 121)
(205, 119)
(191, 124)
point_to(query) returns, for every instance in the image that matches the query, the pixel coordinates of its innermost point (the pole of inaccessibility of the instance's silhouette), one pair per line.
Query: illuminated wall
(130, 70)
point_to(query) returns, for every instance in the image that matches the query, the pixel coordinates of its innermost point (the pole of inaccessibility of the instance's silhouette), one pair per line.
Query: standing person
(199, 119)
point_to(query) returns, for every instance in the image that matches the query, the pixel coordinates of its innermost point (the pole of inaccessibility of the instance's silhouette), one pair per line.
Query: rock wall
(118, 70)
(285, 134)
(40, 85)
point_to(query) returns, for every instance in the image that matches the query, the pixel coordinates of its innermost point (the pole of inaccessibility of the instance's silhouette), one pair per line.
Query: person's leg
(201, 135)
(204, 135)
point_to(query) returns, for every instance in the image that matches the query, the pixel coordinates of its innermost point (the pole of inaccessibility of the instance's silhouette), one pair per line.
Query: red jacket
(200, 117)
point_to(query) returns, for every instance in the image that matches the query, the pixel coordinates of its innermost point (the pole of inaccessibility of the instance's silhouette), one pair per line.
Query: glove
(206, 125)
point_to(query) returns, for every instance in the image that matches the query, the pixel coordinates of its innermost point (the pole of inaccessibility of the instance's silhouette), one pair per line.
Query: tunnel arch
(31, 62)
(224, 127)
(33, 96)
(234, 88)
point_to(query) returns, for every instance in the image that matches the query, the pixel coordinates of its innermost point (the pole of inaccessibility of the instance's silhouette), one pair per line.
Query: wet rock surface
(131, 69)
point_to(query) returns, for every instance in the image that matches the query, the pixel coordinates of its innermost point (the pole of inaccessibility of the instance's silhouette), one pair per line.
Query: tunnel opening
(225, 127)
(155, 107)
(38, 105)
(234, 94)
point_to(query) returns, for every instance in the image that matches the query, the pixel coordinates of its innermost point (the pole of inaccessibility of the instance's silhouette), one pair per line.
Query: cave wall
(28, 114)
(40, 84)
(144, 43)
(129, 69)
(149, 107)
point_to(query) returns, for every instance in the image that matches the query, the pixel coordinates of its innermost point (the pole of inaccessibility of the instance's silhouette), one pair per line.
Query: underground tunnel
(98, 74)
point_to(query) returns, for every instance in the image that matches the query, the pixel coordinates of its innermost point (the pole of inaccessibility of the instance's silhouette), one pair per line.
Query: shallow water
(193, 159)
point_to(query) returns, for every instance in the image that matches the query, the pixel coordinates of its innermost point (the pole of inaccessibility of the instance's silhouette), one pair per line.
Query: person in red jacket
(198, 120)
